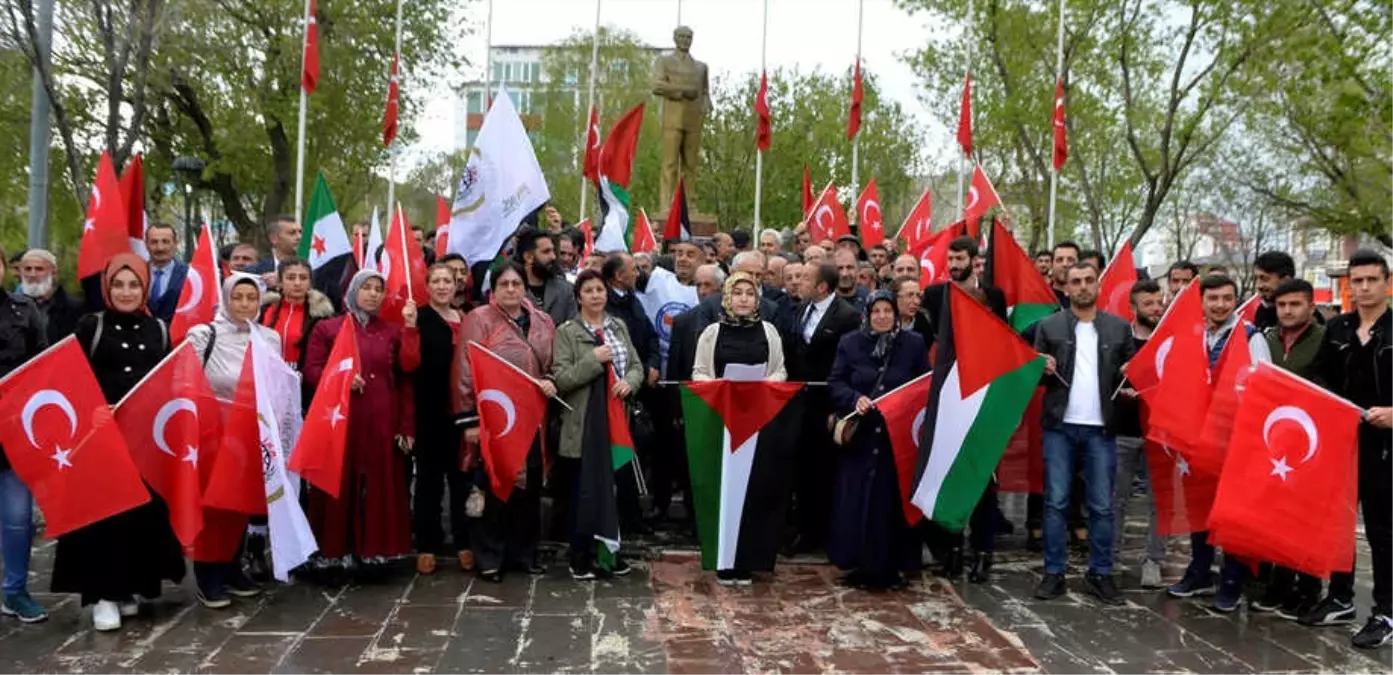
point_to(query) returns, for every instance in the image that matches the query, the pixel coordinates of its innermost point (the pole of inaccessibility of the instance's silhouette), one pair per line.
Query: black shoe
(583, 574)
(620, 569)
(1051, 587)
(1102, 586)
(1192, 585)
(727, 577)
(1033, 542)
(492, 576)
(1297, 605)
(1374, 634)
(1330, 612)
(981, 568)
(953, 563)
(1272, 599)
(238, 585)
(855, 579)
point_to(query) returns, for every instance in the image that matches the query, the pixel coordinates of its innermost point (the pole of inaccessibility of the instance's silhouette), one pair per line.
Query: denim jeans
(1201, 565)
(16, 530)
(1099, 455)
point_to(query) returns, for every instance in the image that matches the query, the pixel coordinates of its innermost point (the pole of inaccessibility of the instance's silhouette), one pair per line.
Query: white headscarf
(350, 298)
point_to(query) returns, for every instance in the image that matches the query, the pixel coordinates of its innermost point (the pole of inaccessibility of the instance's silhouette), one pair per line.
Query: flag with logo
(1177, 346)
(764, 134)
(319, 451)
(1028, 297)
(309, 71)
(278, 418)
(981, 197)
(663, 299)
(976, 401)
(1216, 427)
(615, 166)
(326, 238)
(510, 409)
(918, 226)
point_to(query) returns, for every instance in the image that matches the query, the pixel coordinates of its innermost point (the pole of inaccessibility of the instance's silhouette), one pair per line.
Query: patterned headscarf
(883, 341)
(350, 298)
(137, 266)
(728, 290)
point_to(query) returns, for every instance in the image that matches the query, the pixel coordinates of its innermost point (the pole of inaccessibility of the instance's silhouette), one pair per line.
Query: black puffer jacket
(21, 338)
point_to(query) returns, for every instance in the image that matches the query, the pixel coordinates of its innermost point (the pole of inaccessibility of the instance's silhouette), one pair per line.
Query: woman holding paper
(505, 534)
(869, 533)
(741, 343)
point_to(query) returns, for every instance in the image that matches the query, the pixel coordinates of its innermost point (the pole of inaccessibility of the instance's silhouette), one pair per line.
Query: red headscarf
(138, 267)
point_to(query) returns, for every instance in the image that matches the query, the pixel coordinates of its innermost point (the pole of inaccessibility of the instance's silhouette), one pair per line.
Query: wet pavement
(668, 616)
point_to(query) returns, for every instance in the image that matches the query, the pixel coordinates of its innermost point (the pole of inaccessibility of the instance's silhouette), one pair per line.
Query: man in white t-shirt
(1084, 350)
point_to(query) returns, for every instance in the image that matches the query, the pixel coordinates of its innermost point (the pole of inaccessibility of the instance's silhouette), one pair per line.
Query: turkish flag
(237, 482)
(807, 192)
(644, 242)
(589, 232)
(1230, 373)
(389, 116)
(903, 409)
(871, 222)
(104, 233)
(1115, 286)
(853, 121)
(965, 118)
(981, 197)
(1061, 135)
(509, 424)
(442, 224)
(319, 451)
(933, 258)
(1248, 311)
(917, 226)
(827, 219)
(591, 166)
(1288, 491)
(61, 438)
(404, 266)
(309, 75)
(1176, 347)
(133, 195)
(1184, 497)
(172, 422)
(1022, 467)
(201, 294)
(764, 134)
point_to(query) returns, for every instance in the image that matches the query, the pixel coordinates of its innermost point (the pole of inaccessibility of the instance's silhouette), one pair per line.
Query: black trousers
(667, 461)
(815, 473)
(507, 533)
(1376, 502)
(438, 467)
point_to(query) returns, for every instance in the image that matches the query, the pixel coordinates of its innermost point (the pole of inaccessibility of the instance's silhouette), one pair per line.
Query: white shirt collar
(824, 303)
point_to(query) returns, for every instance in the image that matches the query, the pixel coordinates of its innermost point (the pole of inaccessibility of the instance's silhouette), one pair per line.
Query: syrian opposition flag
(133, 194)
(615, 166)
(1061, 135)
(60, 436)
(1028, 297)
(200, 296)
(739, 486)
(807, 191)
(904, 409)
(827, 220)
(389, 116)
(678, 226)
(508, 425)
(309, 73)
(965, 118)
(501, 185)
(404, 267)
(764, 134)
(326, 238)
(1289, 486)
(1115, 286)
(590, 167)
(976, 402)
(981, 197)
(643, 241)
(318, 453)
(872, 222)
(918, 226)
(853, 120)
(104, 233)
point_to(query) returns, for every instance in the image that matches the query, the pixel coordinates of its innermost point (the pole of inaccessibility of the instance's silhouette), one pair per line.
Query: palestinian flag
(326, 238)
(679, 225)
(615, 167)
(1028, 297)
(740, 483)
(975, 404)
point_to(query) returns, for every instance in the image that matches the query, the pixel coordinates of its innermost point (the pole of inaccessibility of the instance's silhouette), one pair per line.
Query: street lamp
(190, 171)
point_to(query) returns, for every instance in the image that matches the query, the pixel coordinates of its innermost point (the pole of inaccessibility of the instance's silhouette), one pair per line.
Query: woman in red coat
(371, 519)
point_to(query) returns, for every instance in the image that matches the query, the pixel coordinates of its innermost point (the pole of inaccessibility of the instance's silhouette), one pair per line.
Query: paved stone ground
(668, 616)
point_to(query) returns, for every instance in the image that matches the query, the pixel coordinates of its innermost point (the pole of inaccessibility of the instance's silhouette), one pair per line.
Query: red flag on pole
(616, 156)
(764, 133)
(133, 195)
(1183, 497)
(591, 167)
(643, 234)
(678, 226)
(827, 220)
(1061, 135)
(872, 223)
(236, 482)
(60, 436)
(1115, 286)
(1248, 311)
(404, 267)
(981, 197)
(1230, 373)
(1176, 348)
(853, 122)
(965, 118)
(509, 422)
(807, 191)
(389, 118)
(319, 451)
(904, 409)
(589, 231)
(309, 76)
(199, 298)
(442, 224)
(933, 257)
(167, 446)
(917, 226)
(104, 234)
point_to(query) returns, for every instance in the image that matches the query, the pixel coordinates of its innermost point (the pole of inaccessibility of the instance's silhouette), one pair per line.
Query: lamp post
(190, 171)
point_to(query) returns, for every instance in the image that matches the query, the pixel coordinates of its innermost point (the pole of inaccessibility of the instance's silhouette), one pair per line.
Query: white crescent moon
(196, 283)
(971, 198)
(817, 218)
(162, 418)
(1295, 414)
(500, 398)
(39, 400)
(595, 129)
(866, 211)
(96, 197)
(1161, 353)
(917, 424)
(920, 227)
(385, 266)
(926, 264)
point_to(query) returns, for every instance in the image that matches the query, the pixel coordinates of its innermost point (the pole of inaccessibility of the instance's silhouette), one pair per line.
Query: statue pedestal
(703, 224)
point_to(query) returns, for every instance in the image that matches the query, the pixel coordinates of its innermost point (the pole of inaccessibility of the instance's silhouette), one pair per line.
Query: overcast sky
(806, 34)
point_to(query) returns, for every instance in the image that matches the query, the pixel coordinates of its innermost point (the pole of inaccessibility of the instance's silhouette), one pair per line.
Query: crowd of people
(853, 321)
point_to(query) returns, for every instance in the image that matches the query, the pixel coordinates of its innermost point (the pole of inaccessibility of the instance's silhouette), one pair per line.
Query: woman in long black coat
(118, 561)
(869, 534)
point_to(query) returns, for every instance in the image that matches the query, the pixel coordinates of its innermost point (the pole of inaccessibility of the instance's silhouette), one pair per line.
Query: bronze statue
(682, 82)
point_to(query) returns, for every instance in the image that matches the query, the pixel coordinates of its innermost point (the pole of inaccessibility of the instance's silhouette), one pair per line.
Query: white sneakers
(106, 616)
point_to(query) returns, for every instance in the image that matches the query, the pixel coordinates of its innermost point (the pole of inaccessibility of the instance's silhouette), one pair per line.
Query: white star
(1182, 467)
(1280, 468)
(191, 456)
(88, 225)
(335, 417)
(61, 456)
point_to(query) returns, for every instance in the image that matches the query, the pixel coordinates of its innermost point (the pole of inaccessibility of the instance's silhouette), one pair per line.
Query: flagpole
(392, 151)
(967, 72)
(589, 105)
(1059, 77)
(300, 139)
(856, 140)
(405, 251)
(759, 154)
(488, 64)
(679, 12)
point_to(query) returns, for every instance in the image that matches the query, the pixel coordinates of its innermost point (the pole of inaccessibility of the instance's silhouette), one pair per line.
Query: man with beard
(546, 288)
(1270, 270)
(848, 287)
(905, 267)
(1084, 351)
(1066, 253)
(38, 281)
(568, 253)
(961, 252)
(1044, 263)
(1148, 304)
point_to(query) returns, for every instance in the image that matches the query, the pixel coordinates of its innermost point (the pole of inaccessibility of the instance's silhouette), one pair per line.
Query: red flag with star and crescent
(590, 167)
(389, 116)
(764, 133)
(965, 118)
(933, 255)
(827, 219)
(442, 224)
(62, 440)
(236, 482)
(201, 294)
(172, 421)
(1289, 488)
(401, 256)
(918, 226)
(807, 191)
(1115, 286)
(853, 120)
(904, 409)
(509, 423)
(1176, 348)
(319, 451)
(1216, 427)
(1061, 134)
(981, 197)
(104, 233)
(871, 221)
(309, 73)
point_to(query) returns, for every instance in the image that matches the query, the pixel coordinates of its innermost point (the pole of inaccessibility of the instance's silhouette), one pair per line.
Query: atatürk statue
(681, 81)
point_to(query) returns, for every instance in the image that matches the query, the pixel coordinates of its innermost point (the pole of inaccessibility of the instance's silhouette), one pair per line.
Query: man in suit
(284, 234)
(167, 273)
(817, 325)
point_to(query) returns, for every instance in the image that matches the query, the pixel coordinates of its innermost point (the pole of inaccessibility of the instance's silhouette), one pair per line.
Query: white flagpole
(488, 60)
(856, 140)
(1059, 77)
(300, 139)
(406, 264)
(392, 151)
(589, 105)
(967, 72)
(679, 12)
(759, 154)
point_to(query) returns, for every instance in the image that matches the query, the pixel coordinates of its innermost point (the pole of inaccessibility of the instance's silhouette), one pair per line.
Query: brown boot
(425, 563)
(466, 560)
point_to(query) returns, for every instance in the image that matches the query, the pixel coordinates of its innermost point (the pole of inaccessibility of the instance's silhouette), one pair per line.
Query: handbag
(844, 428)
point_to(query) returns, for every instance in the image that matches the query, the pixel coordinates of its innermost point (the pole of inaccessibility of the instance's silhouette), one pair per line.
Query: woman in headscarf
(587, 347)
(741, 336)
(371, 519)
(505, 534)
(870, 535)
(119, 561)
(222, 347)
(908, 301)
